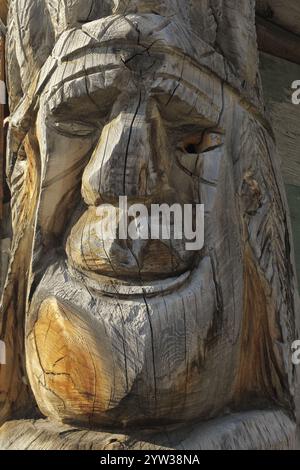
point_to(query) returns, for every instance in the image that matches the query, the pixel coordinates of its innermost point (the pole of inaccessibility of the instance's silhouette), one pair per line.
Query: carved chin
(90, 251)
(112, 359)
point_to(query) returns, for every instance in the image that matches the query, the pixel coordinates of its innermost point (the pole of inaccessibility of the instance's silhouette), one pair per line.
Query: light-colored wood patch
(65, 364)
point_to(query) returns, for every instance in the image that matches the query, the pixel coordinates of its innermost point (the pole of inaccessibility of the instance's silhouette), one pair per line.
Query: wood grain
(256, 430)
(160, 102)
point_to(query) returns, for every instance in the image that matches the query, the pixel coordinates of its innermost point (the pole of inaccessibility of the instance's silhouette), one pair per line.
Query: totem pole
(144, 344)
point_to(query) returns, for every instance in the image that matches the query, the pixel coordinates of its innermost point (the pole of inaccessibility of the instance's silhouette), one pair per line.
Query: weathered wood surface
(4, 240)
(256, 430)
(3, 11)
(159, 101)
(2, 115)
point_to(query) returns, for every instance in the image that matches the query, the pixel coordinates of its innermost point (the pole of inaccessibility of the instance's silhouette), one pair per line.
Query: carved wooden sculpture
(159, 101)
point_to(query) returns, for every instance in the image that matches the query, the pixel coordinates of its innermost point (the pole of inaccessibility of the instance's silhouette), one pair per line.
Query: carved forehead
(197, 93)
(218, 26)
(216, 34)
(140, 43)
(138, 35)
(68, 12)
(148, 32)
(109, 53)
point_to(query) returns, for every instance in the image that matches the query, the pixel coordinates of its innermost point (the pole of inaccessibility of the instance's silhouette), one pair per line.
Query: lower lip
(111, 287)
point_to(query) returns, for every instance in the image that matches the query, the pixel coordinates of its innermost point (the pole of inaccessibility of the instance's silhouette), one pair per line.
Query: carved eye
(74, 128)
(206, 142)
(193, 148)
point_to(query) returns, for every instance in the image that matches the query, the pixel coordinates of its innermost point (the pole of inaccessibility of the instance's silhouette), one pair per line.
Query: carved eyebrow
(186, 104)
(171, 93)
(79, 88)
(182, 82)
(71, 110)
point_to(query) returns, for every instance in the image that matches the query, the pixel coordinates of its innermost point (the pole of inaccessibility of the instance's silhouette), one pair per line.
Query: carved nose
(121, 164)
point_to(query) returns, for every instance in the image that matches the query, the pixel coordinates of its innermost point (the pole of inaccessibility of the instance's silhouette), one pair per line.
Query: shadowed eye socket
(206, 142)
(75, 128)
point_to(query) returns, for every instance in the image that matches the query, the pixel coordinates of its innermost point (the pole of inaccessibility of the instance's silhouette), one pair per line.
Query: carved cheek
(63, 158)
(70, 366)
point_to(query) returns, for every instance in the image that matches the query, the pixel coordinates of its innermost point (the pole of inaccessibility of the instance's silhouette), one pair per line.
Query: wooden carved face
(138, 122)
(136, 331)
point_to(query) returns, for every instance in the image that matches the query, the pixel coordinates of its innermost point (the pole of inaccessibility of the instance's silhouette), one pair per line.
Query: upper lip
(134, 259)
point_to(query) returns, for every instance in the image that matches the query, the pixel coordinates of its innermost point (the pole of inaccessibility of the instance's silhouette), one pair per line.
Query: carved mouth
(135, 261)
